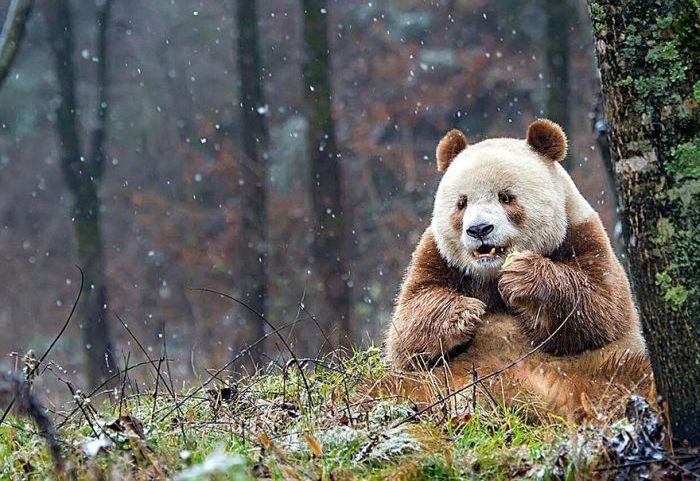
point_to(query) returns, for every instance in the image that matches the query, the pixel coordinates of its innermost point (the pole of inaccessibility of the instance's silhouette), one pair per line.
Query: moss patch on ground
(280, 425)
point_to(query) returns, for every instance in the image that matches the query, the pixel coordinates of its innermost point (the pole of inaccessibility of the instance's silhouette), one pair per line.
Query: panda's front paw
(526, 279)
(459, 324)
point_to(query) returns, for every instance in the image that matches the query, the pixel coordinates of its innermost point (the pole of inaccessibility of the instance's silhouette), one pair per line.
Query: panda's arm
(582, 283)
(431, 317)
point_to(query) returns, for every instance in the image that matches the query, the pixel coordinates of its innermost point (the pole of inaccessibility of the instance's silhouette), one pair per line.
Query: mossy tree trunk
(254, 138)
(330, 233)
(83, 174)
(649, 58)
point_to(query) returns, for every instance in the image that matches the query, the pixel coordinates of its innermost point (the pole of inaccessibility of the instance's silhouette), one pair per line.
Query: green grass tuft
(268, 430)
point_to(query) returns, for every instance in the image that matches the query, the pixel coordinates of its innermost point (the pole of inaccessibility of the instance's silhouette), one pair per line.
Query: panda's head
(499, 196)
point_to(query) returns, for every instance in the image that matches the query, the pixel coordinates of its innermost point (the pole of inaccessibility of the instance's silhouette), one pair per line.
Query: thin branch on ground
(53, 343)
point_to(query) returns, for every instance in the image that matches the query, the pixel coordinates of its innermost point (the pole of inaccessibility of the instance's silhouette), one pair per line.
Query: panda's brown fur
(447, 310)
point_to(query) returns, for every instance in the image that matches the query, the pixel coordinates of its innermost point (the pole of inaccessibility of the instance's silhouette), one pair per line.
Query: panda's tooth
(493, 251)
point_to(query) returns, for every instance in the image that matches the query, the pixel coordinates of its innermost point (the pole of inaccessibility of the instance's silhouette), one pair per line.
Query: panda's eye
(462, 202)
(505, 197)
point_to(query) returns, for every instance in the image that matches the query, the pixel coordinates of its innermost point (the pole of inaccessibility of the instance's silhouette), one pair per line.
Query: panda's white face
(497, 197)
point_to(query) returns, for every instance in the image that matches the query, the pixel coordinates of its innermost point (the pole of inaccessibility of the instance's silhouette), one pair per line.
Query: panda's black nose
(479, 231)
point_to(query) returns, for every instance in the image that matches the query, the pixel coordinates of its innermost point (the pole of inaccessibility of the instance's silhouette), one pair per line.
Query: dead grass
(279, 424)
(329, 418)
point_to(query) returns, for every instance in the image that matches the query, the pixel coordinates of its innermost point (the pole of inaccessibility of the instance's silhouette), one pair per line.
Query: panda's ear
(451, 144)
(547, 139)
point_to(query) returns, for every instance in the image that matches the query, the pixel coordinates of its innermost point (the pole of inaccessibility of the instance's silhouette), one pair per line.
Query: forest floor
(322, 425)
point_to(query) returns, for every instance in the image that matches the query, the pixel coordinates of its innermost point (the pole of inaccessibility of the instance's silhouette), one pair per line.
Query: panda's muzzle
(488, 251)
(480, 231)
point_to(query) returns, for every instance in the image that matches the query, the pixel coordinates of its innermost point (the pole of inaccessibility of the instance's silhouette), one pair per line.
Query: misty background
(186, 201)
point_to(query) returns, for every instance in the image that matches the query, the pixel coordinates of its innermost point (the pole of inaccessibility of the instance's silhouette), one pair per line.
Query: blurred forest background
(209, 175)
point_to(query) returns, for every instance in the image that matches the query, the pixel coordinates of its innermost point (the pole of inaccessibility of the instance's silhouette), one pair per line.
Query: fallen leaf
(448, 458)
(461, 418)
(314, 445)
(128, 425)
(226, 394)
(265, 440)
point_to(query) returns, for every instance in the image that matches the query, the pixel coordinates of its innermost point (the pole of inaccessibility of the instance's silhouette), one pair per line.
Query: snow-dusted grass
(266, 428)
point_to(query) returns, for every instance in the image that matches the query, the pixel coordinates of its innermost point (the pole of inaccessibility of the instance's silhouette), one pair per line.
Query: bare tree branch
(12, 33)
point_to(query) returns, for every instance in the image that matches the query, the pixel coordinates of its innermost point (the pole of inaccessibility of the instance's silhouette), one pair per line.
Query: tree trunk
(82, 176)
(649, 57)
(96, 335)
(600, 130)
(329, 227)
(99, 134)
(254, 138)
(557, 53)
(12, 33)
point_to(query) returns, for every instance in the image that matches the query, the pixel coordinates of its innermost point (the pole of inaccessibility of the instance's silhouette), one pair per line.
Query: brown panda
(460, 300)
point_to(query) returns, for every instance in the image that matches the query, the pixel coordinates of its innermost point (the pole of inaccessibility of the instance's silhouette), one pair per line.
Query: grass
(268, 425)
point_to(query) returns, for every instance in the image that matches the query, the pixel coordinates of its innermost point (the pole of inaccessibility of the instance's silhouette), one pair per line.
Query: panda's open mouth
(488, 251)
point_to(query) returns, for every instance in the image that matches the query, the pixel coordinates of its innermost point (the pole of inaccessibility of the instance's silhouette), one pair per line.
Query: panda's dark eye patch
(506, 197)
(462, 202)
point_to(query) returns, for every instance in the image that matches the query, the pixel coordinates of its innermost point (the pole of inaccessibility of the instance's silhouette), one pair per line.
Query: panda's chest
(486, 292)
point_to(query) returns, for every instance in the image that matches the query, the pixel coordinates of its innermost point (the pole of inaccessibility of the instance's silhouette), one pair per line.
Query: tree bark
(600, 130)
(649, 58)
(557, 54)
(12, 33)
(254, 138)
(330, 231)
(83, 176)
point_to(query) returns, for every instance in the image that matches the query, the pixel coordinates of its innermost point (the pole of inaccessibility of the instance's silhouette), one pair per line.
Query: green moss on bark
(686, 159)
(673, 293)
(649, 57)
